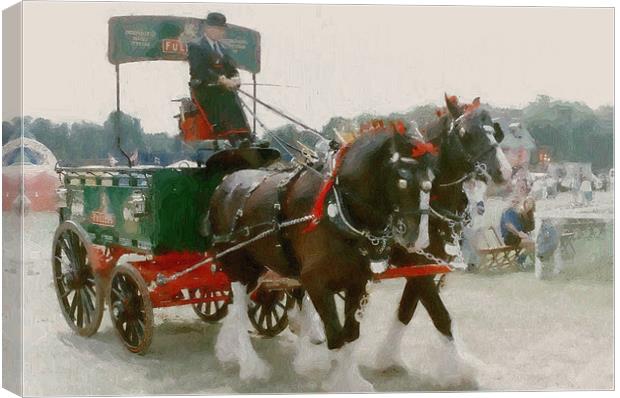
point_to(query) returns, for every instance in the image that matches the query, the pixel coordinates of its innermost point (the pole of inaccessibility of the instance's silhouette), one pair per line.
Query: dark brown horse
(468, 148)
(369, 200)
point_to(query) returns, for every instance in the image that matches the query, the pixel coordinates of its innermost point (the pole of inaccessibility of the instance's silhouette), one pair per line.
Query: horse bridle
(386, 236)
(479, 168)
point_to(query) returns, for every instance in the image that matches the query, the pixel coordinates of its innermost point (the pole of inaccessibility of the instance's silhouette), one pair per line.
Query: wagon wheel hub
(72, 280)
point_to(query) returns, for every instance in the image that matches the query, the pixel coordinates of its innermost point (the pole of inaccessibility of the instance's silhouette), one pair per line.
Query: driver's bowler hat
(216, 19)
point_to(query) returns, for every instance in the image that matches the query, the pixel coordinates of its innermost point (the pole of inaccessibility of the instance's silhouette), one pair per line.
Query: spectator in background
(586, 190)
(516, 222)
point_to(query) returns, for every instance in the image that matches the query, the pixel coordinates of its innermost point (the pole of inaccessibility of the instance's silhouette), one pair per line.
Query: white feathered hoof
(233, 343)
(310, 358)
(254, 369)
(346, 376)
(389, 355)
(455, 372)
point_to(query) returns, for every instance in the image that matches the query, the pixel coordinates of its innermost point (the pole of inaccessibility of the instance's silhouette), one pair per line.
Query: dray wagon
(154, 217)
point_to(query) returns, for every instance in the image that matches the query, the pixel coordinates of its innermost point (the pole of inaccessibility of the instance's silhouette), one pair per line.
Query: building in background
(35, 164)
(518, 145)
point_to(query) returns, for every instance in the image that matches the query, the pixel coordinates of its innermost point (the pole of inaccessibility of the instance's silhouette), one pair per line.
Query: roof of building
(517, 136)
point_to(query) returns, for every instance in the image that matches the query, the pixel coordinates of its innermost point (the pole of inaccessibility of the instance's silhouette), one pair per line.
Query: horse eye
(402, 183)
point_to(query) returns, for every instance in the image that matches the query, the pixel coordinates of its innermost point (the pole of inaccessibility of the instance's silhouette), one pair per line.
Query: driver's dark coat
(222, 106)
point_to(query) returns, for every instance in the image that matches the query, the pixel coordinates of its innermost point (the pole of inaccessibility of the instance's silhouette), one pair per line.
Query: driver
(214, 79)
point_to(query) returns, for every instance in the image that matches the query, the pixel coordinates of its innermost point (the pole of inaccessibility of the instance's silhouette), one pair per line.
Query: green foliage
(572, 130)
(92, 143)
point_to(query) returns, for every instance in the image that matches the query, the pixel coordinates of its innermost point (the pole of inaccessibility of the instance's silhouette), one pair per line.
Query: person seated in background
(516, 222)
(586, 190)
(547, 253)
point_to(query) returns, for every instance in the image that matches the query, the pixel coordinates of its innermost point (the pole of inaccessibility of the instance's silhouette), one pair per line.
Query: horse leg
(352, 305)
(233, 341)
(345, 376)
(429, 296)
(455, 369)
(311, 355)
(325, 305)
(389, 354)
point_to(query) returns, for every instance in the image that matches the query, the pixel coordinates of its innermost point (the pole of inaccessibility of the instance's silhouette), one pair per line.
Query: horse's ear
(453, 106)
(437, 129)
(499, 133)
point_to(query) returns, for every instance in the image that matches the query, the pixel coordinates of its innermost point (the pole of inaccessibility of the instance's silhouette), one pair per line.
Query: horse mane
(373, 127)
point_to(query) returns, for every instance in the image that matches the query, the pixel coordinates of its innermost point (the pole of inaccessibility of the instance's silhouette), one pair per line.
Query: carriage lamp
(61, 196)
(137, 204)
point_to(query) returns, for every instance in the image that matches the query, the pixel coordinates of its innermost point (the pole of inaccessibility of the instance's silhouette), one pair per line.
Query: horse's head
(473, 133)
(408, 182)
(388, 187)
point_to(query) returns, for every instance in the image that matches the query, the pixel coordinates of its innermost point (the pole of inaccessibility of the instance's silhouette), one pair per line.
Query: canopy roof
(138, 38)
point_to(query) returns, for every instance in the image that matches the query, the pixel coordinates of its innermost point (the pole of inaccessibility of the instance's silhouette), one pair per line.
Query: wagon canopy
(152, 38)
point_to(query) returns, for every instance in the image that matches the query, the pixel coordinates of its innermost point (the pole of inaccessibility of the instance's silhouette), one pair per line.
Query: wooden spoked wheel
(131, 309)
(79, 289)
(211, 311)
(268, 314)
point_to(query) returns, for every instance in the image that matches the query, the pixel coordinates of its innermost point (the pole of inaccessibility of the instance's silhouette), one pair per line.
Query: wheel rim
(128, 311)
(77, 287)
(268, 315)
(211, 311)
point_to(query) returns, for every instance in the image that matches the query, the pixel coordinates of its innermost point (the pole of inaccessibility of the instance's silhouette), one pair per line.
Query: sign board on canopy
(152, 38)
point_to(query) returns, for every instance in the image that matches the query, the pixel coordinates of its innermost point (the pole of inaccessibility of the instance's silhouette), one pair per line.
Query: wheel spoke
(269, 320)
(141, 326)
(261, 314)
(128, 332)
(87, 308)
(67, 250)
(80, 309)
(120, 295)
(91, 290)
(134, 333)
(68, 291)
(59, 258)
(73, 306)
(89, 299)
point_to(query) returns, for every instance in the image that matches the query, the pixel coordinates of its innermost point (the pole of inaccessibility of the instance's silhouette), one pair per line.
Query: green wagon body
(155, 210)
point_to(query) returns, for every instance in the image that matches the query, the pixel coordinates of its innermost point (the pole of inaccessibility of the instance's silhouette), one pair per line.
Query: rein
(319, 204)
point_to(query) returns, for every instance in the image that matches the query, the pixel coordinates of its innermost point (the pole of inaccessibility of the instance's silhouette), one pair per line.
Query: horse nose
(480, 208)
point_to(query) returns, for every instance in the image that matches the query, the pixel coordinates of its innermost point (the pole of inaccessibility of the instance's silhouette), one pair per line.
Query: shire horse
(368, 200)
(467, 139)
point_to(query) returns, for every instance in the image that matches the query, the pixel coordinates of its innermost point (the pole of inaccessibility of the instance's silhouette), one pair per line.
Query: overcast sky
(345, 59)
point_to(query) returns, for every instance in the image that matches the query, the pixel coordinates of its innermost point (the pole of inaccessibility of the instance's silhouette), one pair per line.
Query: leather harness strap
(283, 241)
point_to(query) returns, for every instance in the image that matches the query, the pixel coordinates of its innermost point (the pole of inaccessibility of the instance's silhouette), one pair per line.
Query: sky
(345, 60)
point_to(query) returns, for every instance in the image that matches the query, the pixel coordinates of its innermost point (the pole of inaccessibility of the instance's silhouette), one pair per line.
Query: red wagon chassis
(210, 277)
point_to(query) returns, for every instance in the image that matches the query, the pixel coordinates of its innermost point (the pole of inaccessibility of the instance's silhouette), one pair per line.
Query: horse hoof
(317, 340)
(259, 370)
(343, 386)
